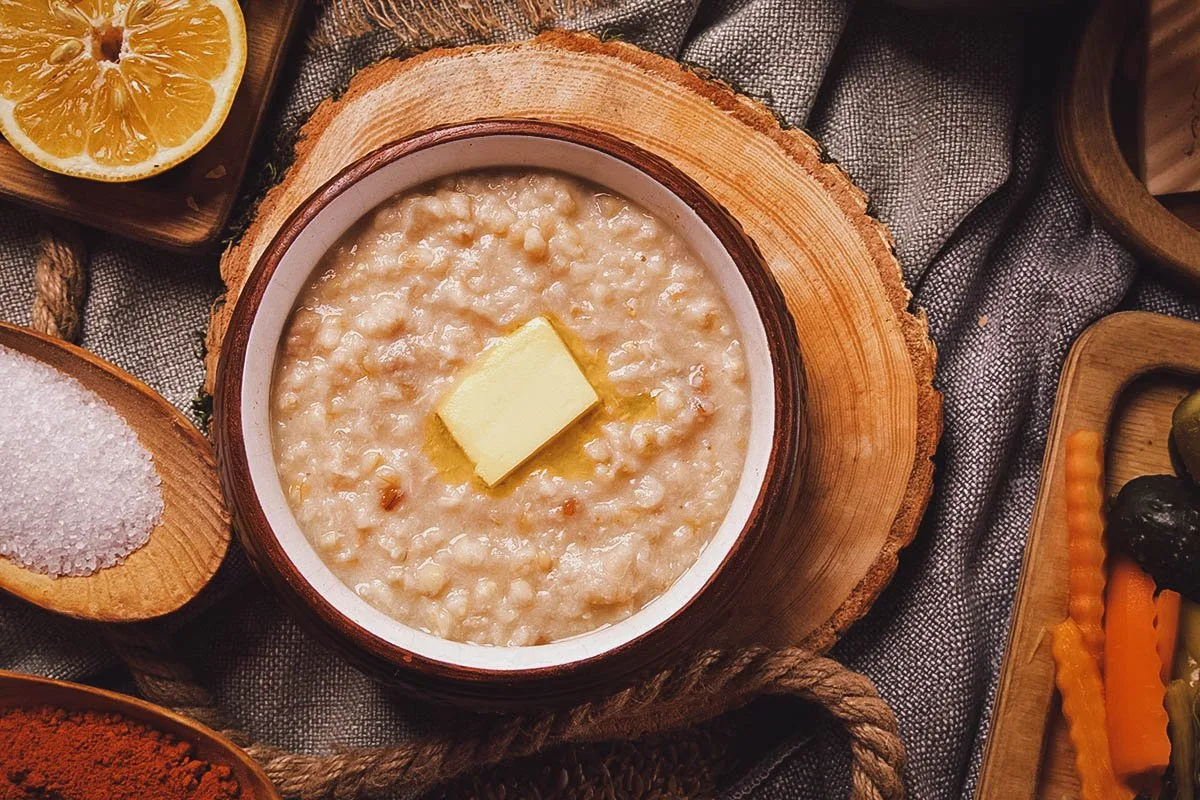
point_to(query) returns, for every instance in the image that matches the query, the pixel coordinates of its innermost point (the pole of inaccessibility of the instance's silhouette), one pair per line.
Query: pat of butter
(518, 395)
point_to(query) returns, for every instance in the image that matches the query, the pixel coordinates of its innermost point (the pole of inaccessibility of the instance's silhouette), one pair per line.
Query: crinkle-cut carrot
(1084, 468)
(1166, 630)
(1134, 690)
(1078, 680)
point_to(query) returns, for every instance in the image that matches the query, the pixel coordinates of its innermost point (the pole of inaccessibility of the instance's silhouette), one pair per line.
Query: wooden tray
(1124, 375)
(874, 418)
(185, 207)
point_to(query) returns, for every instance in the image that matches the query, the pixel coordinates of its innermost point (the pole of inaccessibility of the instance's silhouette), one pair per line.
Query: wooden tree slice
(874, 418)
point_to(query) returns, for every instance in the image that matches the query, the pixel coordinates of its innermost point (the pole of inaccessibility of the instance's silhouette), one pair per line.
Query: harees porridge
(600, 520)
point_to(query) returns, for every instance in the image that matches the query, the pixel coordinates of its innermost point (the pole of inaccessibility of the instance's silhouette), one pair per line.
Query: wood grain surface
(1169, 141)
(1123, 378)
(185, 207)
(1093, 156)
(189, 543)
(873, 417)
(17, 690)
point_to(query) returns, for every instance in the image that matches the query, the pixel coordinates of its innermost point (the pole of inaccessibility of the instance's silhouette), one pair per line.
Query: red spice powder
(50, 754)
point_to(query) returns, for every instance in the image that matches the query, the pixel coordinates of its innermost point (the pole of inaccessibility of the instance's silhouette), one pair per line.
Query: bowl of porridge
(504, 408)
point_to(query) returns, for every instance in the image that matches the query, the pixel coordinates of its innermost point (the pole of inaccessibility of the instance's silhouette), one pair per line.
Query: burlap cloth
(944, 122)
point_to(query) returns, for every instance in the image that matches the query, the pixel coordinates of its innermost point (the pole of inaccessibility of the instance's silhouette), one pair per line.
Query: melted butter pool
(563, 455)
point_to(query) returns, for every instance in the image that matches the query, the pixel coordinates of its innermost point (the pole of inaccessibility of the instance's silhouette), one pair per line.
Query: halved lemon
(116, 90)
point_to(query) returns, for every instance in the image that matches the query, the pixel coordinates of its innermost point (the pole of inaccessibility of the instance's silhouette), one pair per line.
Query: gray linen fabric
(945, 122)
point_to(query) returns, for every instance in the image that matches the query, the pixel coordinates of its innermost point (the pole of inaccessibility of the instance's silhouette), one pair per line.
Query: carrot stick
(1134, 690)
(1078, 680)
(1084, 468)
(1166, 629)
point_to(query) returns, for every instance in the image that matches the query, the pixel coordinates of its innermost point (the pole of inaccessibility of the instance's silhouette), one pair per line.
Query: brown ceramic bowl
(506, 676)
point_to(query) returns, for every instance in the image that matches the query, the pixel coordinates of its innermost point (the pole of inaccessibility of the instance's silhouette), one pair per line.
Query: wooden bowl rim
(180, 424)
(1087, 143)
(150, 715)
(774, 496)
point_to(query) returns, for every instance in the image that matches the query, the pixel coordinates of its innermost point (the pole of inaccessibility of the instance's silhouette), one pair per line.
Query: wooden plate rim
(1087, 143)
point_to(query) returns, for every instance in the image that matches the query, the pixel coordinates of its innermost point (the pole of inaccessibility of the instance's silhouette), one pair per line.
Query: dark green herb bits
(1156, 520)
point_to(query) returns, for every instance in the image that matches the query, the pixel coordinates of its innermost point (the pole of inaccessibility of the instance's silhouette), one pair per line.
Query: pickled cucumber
(1185, 435)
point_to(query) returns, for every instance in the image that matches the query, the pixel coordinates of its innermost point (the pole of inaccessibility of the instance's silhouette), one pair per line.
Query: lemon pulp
(117, 89)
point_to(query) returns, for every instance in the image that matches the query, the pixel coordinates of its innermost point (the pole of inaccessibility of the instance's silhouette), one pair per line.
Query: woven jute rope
(709, 684)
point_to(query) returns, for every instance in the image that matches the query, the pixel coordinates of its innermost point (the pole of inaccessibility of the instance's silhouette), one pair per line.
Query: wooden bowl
(17, 690)
(188, 544)
(506, 676)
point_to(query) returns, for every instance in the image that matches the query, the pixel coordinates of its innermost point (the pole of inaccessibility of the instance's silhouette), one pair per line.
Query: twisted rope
(60, 280)
(710, 684)
(164, 679)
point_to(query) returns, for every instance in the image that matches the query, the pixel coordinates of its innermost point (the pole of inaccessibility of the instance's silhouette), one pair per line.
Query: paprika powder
(48, 752)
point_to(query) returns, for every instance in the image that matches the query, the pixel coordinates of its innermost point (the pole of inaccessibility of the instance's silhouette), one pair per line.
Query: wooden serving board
(1124, 377)
(186, 207)
(873, 417)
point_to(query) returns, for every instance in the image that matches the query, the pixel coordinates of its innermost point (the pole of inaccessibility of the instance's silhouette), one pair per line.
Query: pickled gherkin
(1185, 436)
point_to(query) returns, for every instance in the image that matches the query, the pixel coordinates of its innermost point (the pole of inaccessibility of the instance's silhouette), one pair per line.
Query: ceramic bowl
(414, 659)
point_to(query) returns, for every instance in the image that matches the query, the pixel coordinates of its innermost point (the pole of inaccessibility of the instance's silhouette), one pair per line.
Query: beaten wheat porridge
(602, 520)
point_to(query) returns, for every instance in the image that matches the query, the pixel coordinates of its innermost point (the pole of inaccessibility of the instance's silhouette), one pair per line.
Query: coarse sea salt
(78, 491)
